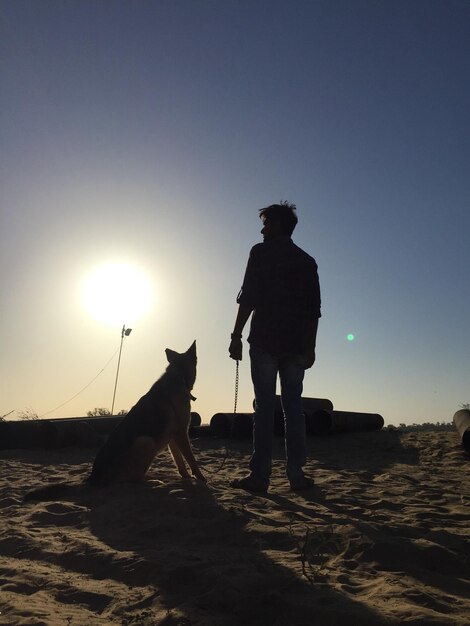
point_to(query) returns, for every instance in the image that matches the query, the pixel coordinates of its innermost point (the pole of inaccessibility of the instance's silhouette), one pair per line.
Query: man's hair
(285, 212)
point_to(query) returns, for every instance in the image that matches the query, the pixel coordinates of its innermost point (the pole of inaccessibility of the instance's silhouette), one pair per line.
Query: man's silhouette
(281, 289)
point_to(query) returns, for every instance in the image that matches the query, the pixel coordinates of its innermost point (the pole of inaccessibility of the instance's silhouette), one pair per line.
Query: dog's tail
(57, 491)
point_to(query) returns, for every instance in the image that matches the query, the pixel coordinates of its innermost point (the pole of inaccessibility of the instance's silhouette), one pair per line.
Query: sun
(117, 293)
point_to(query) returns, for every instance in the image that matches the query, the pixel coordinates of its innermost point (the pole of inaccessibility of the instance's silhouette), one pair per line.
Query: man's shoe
(301, 484)
(250, 483)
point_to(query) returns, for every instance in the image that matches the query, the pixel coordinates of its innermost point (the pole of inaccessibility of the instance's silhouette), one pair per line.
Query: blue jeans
(264, 370)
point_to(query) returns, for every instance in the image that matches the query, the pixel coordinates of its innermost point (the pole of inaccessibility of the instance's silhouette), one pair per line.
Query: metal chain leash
(236, 389)
(216, 471)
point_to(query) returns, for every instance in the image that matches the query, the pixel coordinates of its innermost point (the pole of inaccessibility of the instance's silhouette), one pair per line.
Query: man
(281, 289)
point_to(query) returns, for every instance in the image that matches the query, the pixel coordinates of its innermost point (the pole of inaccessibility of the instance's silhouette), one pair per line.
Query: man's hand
(311, 341)
(235, 349)
(309, 358)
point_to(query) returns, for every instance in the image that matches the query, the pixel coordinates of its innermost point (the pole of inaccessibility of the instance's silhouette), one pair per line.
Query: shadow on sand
(207, 564)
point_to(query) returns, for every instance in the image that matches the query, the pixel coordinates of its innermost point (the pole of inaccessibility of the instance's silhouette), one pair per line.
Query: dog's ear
(192, 350)
(170, 355)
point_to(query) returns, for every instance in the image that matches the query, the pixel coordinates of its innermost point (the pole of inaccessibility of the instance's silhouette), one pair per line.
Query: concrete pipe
(462, 424)
(195, 419)
(78, 434)
(28, 434)
(237, 425)
(101, 424)
(200, 431)
(323, 422)
(221, 425)
(5, 436)
(318, 422)
(309, 406)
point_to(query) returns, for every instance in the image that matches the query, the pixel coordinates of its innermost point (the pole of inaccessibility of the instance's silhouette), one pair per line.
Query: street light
(124, 333)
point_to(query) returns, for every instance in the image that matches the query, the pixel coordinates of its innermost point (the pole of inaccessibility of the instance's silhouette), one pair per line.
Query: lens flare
(350, 337)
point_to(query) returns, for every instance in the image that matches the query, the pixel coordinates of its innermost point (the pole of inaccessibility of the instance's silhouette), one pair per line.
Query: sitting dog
(160, 418)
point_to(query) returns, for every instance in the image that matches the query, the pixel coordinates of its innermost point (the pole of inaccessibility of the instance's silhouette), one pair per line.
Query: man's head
(278, 220)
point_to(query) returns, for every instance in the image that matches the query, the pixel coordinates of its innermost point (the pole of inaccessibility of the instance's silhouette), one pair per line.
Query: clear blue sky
(150, 133)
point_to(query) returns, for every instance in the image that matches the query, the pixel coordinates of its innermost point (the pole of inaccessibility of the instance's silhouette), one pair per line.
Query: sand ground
(383, 538)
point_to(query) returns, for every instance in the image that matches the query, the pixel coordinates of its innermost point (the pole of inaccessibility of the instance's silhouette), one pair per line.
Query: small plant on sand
(28, 414)
(102, 412)
(98, 411)
(315, 548)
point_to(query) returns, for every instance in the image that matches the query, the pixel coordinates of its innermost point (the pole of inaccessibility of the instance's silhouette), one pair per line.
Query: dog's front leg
(182, 440)
(178, 458)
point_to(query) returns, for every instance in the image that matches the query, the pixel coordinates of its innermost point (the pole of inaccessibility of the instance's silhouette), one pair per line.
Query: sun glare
(117, 293)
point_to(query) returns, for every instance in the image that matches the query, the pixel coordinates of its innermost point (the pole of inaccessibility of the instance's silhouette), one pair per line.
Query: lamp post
(124, 333)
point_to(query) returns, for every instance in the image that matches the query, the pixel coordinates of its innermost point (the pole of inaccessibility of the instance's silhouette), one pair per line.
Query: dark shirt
(281, 287)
